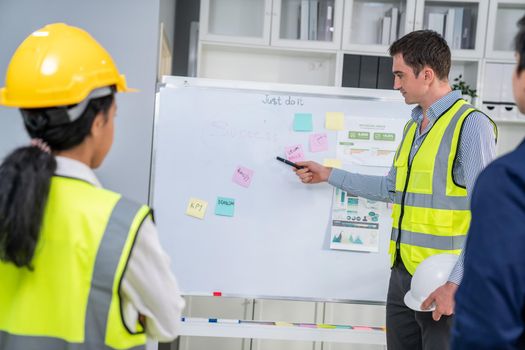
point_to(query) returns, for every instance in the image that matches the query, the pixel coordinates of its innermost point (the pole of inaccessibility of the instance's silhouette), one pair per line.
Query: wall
(128, 29)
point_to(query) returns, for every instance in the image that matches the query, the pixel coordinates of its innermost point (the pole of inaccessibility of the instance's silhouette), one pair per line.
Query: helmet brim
(414, 304)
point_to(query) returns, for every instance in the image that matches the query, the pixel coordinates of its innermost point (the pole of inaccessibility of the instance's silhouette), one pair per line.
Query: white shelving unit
(461, 22)
(371, 26)
(503, 15)
(269, 40)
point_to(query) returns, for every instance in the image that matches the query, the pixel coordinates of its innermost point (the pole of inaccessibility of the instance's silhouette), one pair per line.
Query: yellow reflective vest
(71, 299)
(431, 211)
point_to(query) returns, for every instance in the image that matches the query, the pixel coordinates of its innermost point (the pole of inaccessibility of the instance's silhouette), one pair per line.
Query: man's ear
(428, 74)
(98, 124)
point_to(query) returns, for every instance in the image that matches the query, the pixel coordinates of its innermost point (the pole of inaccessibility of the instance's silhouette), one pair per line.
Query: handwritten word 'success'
(282, 100)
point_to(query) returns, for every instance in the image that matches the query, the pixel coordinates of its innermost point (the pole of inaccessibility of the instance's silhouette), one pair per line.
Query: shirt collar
(437, 108)
(73, 168)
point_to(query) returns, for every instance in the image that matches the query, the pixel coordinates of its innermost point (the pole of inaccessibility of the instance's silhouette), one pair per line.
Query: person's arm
(150, 289)
(380, 188)
(476, 149)
(490, 299)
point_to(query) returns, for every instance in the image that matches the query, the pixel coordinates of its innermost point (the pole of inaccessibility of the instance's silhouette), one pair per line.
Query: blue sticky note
(302, 122)
(224, 206)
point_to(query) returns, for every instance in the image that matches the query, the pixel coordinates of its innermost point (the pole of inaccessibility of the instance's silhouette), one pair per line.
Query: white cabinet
(236, 21)
(462, 24)
(312, 24)
(503, 16)
(371, 26)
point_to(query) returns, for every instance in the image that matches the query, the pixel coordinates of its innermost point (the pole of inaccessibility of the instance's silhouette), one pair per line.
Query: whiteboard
(277, 242)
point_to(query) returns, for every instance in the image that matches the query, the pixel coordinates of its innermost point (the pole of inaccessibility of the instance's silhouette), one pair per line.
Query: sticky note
(242, 176)
(324, 325)
(196, 208)
(224, 206)
(302, 122)
(294, 153)
(318, 142)
(283, 324)
(332, 163)
(335, 121)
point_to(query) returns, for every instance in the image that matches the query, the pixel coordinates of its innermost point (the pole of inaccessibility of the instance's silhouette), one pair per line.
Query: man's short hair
(519, 44)
(424, 48)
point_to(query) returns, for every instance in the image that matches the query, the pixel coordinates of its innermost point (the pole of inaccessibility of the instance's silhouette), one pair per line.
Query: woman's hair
(25, 176)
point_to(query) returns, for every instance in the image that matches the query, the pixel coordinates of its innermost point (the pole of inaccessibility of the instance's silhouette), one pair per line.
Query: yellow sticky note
(335, 121)
(196, 208)
(332, 163)
(283, 324)
(324, 325)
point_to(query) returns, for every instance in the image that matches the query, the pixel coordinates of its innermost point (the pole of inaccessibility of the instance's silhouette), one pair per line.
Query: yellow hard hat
(58, 65)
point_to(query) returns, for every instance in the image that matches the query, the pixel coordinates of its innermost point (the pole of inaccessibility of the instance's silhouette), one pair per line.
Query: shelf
(376, 24)
(259, 64)
(503, 18)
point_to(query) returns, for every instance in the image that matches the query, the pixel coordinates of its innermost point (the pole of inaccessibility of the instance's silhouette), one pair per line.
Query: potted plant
(468, 93)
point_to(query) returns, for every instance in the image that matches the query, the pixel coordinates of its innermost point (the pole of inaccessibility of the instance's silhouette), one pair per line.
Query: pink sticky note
(242, 176)
(294, 153)
(318, 142)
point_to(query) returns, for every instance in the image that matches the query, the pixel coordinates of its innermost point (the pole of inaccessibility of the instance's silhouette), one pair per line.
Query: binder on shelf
(401, 25)
(436, 22)
(458, 28)
(324, 20)
(449, 26)
(290, 24)
(368, 72)
(393, 13)
(384, 30)
(312, 22)
(305, 9)
(467, 40)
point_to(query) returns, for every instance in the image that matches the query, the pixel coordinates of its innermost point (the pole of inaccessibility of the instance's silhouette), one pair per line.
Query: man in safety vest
(445, 145)
(81, 267)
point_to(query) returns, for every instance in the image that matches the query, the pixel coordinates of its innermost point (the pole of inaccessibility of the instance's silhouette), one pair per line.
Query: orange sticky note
(335, 120)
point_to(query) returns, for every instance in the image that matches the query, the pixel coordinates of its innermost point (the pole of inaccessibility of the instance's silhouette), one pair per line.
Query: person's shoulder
(510, 166)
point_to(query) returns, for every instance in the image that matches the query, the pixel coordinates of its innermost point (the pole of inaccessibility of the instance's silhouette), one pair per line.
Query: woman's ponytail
(25, 179)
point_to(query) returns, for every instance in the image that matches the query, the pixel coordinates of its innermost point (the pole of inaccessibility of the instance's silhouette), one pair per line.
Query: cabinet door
(503, 16)
(371, 26)
(236, 21)
(461, 23)
(312, 24)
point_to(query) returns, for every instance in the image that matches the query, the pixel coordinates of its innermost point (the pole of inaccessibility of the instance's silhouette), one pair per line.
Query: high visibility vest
(71, 299)
(431, 211)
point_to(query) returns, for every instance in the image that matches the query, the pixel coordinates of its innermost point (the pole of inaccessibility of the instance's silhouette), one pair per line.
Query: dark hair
(519, 43)
(424, 48)
(25, 177)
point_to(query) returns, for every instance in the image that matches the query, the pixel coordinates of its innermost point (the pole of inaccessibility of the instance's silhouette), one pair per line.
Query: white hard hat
(432, 273)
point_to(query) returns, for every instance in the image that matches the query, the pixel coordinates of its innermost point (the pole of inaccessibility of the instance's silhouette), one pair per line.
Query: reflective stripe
(441, 169)
(100, 294)
(434, 201)
(106, 264)
(23, 342)
(429, 241)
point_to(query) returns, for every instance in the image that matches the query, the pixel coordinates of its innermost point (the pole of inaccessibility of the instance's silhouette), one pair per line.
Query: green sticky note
(224, 206)
(302, 122)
